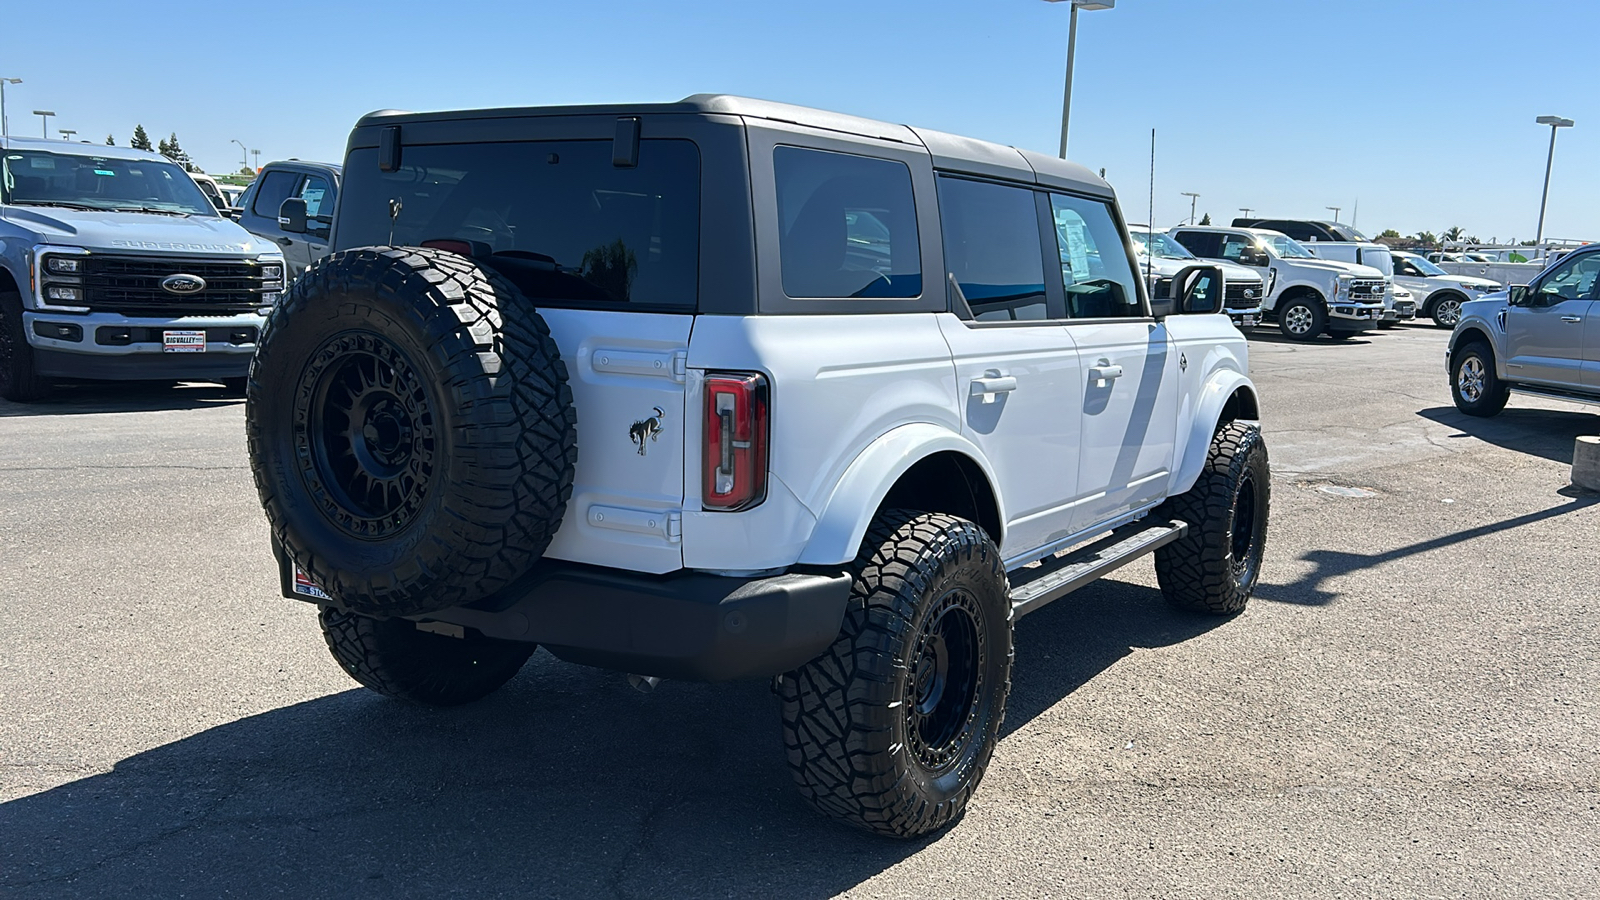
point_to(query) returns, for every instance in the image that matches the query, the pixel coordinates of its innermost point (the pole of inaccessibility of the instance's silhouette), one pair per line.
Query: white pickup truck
(1307, 296)
(726, 388)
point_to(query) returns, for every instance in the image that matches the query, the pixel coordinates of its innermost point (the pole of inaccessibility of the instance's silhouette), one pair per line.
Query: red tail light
(735, 452)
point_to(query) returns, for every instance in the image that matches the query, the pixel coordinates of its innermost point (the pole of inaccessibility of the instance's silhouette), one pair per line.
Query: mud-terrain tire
(1474, 385)
(396, 659)
(1215, 566)
(19, 382)
(410, 428)
(1301, 318)
(892, 727)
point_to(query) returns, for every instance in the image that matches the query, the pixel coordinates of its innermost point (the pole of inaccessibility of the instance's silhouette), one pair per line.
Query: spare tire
(410, 428)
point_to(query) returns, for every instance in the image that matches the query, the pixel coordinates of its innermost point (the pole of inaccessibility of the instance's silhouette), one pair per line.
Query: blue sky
(1420, 110)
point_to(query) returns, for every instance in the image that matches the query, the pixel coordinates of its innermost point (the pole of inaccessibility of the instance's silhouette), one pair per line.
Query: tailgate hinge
(680, 366)
(674, 527)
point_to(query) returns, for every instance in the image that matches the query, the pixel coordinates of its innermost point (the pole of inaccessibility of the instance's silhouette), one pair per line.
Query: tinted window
(1235, 247)
(555, 217)
(1204, 244)
(1094, 261)
(1573, 279)
(847, 225)
(992, 249)
(274, 188)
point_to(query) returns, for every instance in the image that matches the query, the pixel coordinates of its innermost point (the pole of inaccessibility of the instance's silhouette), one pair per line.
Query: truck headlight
(63, 265)
(272, 272)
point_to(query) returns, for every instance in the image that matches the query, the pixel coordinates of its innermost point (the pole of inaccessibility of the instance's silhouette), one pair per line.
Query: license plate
(183, 342)
(1250, 321)
(304, 585)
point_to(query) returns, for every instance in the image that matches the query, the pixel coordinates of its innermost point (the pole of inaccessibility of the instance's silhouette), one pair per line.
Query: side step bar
(1556, 394)
(1059, 576)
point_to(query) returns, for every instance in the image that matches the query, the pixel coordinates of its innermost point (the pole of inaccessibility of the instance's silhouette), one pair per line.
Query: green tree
(1426, 239)
(1389, 233)
(1205, 219)
(141, 141)
(171, 150)
(1453, 233)
(246, 170)
(110, 141)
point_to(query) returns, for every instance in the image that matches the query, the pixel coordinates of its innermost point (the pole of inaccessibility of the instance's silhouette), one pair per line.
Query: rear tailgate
(627, 371)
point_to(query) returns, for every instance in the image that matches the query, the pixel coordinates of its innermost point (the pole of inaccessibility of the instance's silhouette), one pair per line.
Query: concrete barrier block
(1586, 463)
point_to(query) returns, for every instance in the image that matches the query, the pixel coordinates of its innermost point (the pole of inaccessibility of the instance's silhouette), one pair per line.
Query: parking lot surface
(1407, 708)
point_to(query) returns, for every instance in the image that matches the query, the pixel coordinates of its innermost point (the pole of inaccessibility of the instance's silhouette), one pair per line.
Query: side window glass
(314, 191)
(1094, 261)
(1574, 280)
(275, 188)
(1204, 244)
(847, 226)
(1235, 247)
(992, 249)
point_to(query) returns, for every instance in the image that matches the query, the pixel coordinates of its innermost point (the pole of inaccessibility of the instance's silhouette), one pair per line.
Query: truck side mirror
(1517, 295)
(292, 215)
(1197, 290)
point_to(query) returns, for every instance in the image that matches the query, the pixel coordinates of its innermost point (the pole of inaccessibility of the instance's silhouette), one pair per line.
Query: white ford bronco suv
(1541, 339)
(729, 389)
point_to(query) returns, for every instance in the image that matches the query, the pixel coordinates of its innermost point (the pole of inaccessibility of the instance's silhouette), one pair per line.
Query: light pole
(1335, 211)
(67, 133)
(1072, 41)
(257, 154)
(44, 122)
(1246, 210)
(1193, 198)
(1554, 122)
(244, 155)
(3, 82)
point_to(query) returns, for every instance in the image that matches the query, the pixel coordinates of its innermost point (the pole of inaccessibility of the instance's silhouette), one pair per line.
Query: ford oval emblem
(183, 284)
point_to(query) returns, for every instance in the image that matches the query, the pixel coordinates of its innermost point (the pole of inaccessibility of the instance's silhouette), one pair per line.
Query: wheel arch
(1432, 300)
(1475, 333)
(920, 466)
(1299, 289)
(8, 282)
(1228, 396)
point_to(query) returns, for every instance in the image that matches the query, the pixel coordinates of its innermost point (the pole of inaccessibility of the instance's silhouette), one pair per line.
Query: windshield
(1423, 266)
(44, 178)
(1349, 233)
(1163, 245)
(1286, 247)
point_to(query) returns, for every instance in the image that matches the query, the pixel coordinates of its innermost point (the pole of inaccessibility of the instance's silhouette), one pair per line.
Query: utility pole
(1072, 43)
(244, 155)
(257, 155)
(4, 127)
(67, 133)
(1193, 199)
(1554, 122)
(1335, 211)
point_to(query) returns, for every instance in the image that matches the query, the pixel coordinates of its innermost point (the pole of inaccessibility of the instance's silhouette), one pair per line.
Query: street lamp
(1246, 210)
(3, 82)
(1193, 197)
(1072, 40)
(257, 154)
(67, 133)
(1554, 122)
(44, 121)
(1335, 211)
(244, 155)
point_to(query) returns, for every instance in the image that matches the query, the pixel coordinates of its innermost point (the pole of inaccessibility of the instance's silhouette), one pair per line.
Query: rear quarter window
(847, 226)
(556, 217)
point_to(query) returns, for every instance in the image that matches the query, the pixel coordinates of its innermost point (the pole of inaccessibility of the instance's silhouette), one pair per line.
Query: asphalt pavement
(1407, 709)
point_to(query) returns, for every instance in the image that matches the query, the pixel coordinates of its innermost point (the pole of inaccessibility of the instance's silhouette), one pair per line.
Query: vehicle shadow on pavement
(565, 783)
(120, 397)
(1271, 335)
(1310, 590)
(1539, 432)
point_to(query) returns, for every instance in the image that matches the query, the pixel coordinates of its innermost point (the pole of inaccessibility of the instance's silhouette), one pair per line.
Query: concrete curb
(1586, 462)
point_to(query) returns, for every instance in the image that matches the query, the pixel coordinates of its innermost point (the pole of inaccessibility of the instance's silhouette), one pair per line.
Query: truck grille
(131, 285)
(1367, 291)
(1242, 295)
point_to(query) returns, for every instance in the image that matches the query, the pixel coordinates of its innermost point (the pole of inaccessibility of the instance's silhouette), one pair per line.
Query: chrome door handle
(1572, 318)
(1104, 373)
(990, 385)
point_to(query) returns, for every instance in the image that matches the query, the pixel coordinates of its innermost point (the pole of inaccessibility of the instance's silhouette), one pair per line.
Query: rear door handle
(285, 241)
(990, 385)
(1104, 373)
(1572, 318)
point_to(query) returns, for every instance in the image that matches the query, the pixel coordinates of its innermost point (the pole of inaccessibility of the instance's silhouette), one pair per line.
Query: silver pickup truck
(1542, 339)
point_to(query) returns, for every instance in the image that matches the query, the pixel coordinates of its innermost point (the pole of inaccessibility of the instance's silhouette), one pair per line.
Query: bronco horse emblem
(647, 429)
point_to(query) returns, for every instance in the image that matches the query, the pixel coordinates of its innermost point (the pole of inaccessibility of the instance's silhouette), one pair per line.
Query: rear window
(556, 217)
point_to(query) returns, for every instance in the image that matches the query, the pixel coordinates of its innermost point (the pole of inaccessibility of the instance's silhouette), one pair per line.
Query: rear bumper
(684, 625)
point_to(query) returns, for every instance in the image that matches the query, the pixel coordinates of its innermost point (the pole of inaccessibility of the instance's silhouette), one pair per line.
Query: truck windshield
(45, 178)
(1423, 266)
(1286, 247)
(1160, 245)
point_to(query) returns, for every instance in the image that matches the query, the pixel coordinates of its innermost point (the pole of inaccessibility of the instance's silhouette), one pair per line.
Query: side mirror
(1517, 295)
(1196, 290)
(292, 216)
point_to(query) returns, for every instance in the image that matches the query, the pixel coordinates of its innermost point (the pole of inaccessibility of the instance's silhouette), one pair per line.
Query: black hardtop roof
(949, 151)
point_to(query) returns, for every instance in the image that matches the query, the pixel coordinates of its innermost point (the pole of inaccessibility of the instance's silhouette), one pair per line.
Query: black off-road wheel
(892, 728)
(19, 382)
(397, 659)
(1302, 318)
(1475, 387)
(411, 429)
(1215, 566)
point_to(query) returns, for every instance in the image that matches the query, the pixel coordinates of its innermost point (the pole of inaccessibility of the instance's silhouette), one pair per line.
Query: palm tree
(1453, 233)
